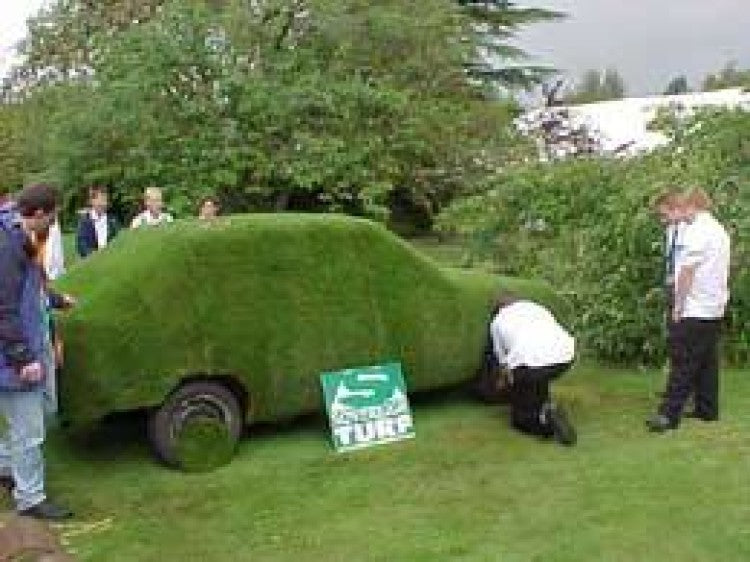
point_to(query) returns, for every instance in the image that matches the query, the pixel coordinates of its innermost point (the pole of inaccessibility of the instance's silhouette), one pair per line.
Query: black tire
(195, 401)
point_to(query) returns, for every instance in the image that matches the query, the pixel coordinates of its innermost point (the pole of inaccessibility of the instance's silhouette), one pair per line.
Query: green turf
(272, 300)
(467, 488)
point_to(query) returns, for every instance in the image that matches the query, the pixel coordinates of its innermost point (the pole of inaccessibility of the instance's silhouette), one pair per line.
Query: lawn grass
(466, 489)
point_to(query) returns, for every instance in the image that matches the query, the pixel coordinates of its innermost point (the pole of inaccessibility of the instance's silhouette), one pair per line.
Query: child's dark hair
(95, 190)
(39, 197)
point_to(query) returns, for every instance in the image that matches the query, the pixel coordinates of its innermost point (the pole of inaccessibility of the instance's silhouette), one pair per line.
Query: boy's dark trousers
(529, 393)
(694, 346)
(674, 344)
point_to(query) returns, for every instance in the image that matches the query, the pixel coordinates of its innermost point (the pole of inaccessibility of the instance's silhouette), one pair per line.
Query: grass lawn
(467, 488)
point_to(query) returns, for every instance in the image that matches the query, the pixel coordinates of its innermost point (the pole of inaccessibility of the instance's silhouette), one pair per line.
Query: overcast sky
(649, 41)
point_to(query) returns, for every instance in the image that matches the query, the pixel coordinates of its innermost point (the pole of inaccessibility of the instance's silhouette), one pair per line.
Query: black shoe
(659, 423)
(48, 511)
(562, 429)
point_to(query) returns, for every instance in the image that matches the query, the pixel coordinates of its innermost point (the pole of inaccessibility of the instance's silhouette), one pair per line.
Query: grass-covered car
(233, 320)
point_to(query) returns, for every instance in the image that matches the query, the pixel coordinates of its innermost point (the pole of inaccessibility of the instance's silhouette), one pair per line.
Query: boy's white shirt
(145, 218)
(706, 246)
(54, 256)
(525, 334)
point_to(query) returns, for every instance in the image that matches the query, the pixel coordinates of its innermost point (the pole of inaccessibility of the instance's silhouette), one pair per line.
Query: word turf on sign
(367, 406)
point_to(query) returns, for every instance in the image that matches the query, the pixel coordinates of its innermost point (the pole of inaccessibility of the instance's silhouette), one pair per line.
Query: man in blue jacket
(97, 227)
(25, 349)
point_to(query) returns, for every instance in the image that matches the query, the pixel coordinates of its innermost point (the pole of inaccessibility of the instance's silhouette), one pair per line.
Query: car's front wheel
(197, 427)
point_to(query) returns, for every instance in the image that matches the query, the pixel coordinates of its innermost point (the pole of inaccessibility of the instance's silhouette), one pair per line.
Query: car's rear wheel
(197, 427)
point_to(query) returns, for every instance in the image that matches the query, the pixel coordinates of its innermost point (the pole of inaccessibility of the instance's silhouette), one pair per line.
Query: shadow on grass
(114, 437)
(124, 435)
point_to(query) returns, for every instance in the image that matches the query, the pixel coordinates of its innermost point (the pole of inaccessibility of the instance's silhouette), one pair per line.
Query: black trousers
(529, 392)
(674, 349)
(694, 348)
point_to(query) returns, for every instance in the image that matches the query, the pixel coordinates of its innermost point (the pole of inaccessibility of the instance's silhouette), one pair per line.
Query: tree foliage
(311, 104)
(728, 77)
(596, 85)
(11, 149)
(491, 24)
(677, 85)
(62, 39)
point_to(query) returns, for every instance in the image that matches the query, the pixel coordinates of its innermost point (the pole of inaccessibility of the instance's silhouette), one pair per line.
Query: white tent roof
(625, 121)
(621, 126)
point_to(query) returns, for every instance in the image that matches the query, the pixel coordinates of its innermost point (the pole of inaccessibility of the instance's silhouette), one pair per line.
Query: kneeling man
(535, 349)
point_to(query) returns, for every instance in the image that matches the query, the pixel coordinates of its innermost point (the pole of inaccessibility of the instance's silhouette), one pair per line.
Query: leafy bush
(271, 300)
(586, 226)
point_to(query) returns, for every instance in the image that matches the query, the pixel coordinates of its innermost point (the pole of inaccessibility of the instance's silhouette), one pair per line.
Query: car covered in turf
(233, 320)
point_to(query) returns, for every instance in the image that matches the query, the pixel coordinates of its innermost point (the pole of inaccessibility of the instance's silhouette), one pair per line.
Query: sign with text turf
(367, 406)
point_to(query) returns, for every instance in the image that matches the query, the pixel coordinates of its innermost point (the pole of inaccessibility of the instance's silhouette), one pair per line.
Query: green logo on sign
(367, 406)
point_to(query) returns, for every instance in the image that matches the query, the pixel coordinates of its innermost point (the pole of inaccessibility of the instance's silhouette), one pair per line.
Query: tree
(590, 85)
(613, 85)
(728, 77)
(11, 149)
(61, 43)
(678, 85)
(491, 25)
(598, 86)
(321, 105)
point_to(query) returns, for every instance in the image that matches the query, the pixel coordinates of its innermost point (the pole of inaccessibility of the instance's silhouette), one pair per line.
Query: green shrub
(586, 226)
(272, 300)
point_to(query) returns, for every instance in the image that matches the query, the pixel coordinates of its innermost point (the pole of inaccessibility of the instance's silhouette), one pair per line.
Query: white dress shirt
(54, 256)
(101, 227)
(707, 248)
(526, 334)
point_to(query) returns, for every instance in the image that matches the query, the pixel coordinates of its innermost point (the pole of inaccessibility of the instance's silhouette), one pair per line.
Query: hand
(33, 372)
(676, 315)
(69, 301)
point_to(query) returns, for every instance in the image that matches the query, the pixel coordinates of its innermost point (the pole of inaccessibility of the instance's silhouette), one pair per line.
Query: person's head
(695, 201)
(209, 208)
(99, 198)
(152, 200)
(503, 300)
(37, 205)
(669, 207)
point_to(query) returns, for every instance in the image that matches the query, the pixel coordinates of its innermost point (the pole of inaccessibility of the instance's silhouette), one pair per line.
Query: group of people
(534, 349)
(97, 227)
(31, 256)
